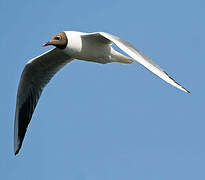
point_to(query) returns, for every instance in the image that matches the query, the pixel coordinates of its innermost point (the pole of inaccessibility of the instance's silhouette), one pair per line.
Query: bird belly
(99, 54)
(95, 52)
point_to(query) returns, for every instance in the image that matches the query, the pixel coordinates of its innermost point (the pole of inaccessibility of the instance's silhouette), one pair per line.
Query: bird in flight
(70, 45)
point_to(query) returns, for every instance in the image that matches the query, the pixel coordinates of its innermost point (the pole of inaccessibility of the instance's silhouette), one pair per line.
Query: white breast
(74, 46)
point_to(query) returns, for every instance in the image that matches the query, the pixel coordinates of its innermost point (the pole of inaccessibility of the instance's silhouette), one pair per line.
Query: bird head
(59, 40)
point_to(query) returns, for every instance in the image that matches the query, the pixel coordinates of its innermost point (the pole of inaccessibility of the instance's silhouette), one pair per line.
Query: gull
(70, 45)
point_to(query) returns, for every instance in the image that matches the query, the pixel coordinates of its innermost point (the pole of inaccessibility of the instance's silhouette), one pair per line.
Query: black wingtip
(17, 151)
(186, 90)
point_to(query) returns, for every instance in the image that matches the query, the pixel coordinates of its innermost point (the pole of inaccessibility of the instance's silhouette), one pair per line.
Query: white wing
(137, 55)
(34, 78)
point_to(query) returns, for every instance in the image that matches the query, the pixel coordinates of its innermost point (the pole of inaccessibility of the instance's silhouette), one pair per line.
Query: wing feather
(36, 74)
(142, 59)
(137, 56)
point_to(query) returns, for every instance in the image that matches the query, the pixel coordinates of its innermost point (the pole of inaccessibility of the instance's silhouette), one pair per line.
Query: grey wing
(137, 56)
(36, 74)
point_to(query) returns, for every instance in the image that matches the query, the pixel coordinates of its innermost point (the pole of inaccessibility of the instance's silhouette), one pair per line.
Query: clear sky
(107, 122)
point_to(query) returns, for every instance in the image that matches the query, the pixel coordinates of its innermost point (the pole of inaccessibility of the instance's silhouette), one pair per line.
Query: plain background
(107, 122)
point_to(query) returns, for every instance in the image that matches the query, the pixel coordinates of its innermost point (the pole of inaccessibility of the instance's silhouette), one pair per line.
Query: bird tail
(120, 58)
(125, 61)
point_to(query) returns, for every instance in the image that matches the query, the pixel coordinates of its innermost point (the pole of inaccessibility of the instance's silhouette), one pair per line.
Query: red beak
(46, 44)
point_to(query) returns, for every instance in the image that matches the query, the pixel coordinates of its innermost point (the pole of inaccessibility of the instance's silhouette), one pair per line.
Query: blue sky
(111, 121)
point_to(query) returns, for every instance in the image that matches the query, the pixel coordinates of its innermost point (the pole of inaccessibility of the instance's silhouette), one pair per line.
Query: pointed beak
(46, 44)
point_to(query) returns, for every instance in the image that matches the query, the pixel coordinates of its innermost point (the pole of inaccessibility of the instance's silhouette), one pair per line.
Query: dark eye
(57, 38)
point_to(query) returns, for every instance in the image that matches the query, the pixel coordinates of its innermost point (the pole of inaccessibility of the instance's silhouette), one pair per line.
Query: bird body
(91, 49)
(70, 45)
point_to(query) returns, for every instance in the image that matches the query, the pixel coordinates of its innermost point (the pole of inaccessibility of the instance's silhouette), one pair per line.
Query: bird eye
(57, 38)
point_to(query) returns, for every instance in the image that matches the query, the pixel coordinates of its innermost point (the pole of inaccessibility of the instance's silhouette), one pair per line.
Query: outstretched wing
(36, 74)
(136, 55)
